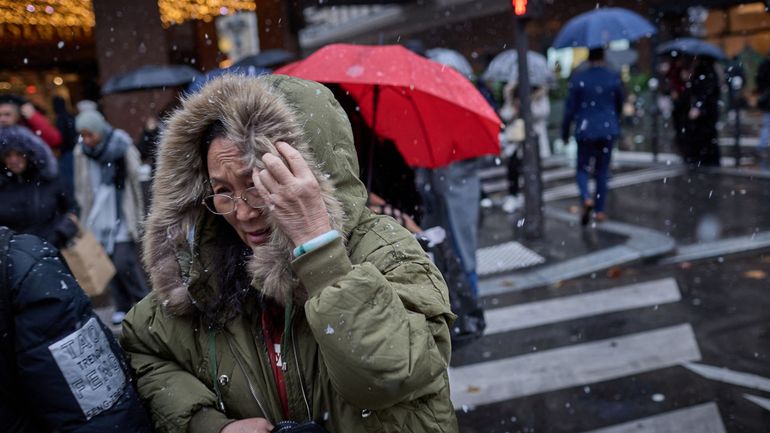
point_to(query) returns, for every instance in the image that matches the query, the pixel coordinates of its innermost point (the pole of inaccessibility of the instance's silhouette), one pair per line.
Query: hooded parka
(367, 346)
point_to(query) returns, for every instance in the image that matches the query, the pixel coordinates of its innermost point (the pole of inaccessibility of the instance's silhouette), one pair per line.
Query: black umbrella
(151, 77)
(266, 59)
(692, 47)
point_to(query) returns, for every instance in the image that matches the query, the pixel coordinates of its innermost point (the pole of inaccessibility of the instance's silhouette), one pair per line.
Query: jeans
(599, 152)
(451, 197)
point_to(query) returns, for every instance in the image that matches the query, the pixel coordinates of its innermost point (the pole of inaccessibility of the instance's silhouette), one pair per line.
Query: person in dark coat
(65, 123)
(702, 146)
(33, 196)
(594, 103)
(60, 368)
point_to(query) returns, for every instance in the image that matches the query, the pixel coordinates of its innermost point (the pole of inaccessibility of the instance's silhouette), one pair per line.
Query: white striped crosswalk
(703, 418)
(585, 305)
(579, 364)
(586, 363)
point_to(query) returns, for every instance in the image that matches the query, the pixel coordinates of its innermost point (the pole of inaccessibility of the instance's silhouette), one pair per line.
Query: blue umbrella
(691, 47)
(599, 27)
(151, 77)
(250, 71)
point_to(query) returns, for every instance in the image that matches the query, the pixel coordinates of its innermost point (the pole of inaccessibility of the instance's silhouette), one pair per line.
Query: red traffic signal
(519, 7)
(527, 8)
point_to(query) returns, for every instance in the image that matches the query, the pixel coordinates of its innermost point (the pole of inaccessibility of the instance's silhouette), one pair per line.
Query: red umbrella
(433, 114)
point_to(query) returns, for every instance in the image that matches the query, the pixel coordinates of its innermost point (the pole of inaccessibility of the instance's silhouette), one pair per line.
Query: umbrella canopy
(599, 27)
(201, 81)
(505, 67)
(266, 59)
(433, 114)
(451, 58)
(151, 77)
(692, 47)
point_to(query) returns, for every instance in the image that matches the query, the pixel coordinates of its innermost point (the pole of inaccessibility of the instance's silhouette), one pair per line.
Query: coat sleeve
(382, 326)
(178, 401)
(73, 371)
(47, 132)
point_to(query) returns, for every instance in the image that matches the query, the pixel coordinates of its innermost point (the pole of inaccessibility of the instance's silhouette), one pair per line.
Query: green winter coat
(368, 345)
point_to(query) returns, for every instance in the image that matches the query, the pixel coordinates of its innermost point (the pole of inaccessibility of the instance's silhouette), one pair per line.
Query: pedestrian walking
(109, 193)
(33, 196)
(514, 135)
(278, 295)
(594, 103)
(702, 148)
(60, 368)
(763, 103)
(17, 111)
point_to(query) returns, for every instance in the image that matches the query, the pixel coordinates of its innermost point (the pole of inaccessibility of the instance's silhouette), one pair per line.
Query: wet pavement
(562, 240)
(652, 345)
(697, 206)
(719, 318)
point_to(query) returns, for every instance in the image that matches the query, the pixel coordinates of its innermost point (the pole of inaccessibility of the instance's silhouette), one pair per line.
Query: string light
(32, 20)
(176, 12)
(46, 20)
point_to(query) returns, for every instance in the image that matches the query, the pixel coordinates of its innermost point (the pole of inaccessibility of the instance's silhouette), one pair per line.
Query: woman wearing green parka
(277, 294)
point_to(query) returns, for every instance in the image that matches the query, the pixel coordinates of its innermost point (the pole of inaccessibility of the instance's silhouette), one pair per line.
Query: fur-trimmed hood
(256, 112)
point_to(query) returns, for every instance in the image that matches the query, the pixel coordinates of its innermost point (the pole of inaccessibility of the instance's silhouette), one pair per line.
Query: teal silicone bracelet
(316, 242)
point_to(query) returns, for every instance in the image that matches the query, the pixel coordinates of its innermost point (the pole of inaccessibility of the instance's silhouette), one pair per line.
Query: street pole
(653, 86)
(736, 83)
(533, 184)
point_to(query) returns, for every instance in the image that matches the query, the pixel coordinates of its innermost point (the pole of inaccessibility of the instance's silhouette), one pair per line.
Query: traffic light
(527, 8)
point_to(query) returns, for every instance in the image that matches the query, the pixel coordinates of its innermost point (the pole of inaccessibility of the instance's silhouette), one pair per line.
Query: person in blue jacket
(60, 367)
(594, 103)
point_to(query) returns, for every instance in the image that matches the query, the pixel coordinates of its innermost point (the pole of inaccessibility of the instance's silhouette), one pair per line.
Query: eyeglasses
(223, 204)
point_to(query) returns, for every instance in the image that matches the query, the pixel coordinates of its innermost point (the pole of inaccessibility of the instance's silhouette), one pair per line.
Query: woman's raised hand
(293, 195)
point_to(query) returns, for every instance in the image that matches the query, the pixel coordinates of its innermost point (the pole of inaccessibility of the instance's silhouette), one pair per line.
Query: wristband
(316, 242)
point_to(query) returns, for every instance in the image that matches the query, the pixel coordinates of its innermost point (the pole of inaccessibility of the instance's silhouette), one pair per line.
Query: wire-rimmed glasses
(224, 204)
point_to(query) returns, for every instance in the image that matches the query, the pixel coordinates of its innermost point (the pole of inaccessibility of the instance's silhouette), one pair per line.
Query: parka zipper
(299, 371)
(248, 381)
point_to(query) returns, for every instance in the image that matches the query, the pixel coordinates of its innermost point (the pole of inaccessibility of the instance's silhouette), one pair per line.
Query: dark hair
(230, 276)
(214, 131)
(596, 54)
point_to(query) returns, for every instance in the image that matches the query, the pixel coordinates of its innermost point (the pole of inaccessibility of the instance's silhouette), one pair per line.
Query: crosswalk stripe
(726, 375)
(533, 373)
(585, 305)
(703, 418)
(762, 402)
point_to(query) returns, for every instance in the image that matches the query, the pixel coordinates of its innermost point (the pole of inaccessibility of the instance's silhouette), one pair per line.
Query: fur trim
(255, 115)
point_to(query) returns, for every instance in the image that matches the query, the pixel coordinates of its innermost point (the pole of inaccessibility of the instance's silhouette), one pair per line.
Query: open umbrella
(599, 27)
(692, 47)
(433, 114)
(151, 77)
(505, 67)
(266, 59)
(451, 58)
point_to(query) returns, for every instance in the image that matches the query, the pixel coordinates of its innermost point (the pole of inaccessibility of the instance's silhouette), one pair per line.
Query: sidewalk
(657, 211)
